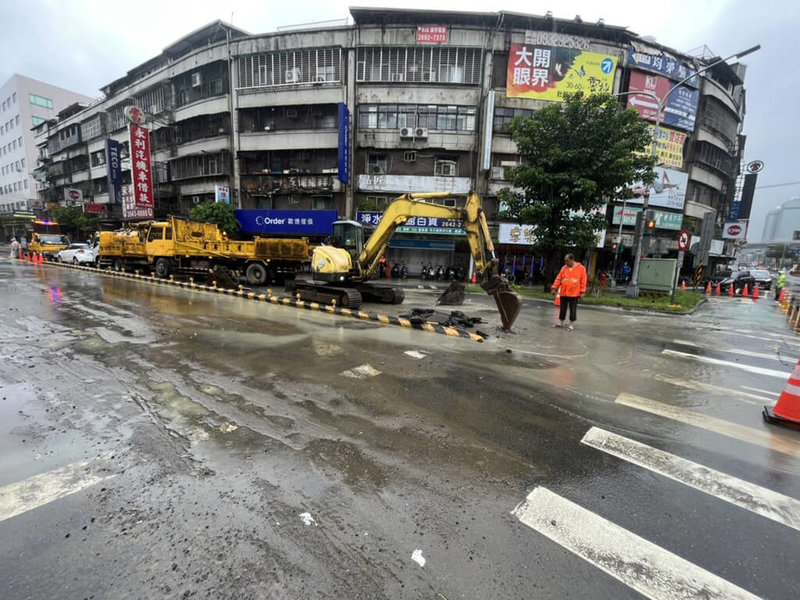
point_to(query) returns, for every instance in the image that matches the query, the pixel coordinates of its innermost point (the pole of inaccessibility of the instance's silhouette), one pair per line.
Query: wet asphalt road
(162, 443)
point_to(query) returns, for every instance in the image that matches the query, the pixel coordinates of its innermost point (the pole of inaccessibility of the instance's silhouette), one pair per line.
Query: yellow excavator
(342, 268)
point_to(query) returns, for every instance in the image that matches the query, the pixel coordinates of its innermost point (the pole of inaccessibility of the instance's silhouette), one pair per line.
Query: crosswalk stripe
(771, 394)
(766, 439)
(764, 502)
(727, 363)
(773, 356)
(647, 568)
(36, 491)
(699, 386)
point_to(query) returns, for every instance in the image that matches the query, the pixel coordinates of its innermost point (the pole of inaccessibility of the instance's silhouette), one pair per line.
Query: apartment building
(24, 104)
(342, 119)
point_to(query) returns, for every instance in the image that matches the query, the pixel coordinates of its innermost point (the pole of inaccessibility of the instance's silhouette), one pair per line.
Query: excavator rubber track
(385, 294)
(324, 294)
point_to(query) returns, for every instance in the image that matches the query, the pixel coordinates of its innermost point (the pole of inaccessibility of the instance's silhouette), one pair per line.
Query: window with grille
(429, 116)
(443, 65)
(92, 128)
(446, 166)
(292, 67)
(377, 164)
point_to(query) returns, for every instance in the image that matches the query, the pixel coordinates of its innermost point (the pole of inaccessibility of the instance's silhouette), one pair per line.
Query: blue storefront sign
(287, 222)
(114, 167)
(344, 143)
(433, 225)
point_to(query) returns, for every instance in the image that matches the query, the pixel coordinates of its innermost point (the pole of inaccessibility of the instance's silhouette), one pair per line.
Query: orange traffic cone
(730, 290)
(755, 292)
(474, 277)
(745, 292)
(780, 296)
(683, 286)
(20, 253)
(787, 411)
(708, 289)
(719, 288)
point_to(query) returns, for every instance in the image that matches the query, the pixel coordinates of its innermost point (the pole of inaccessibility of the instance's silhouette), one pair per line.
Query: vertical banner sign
(344, 143)
(141, 174)
(131, 212)
(487, 131)
(222, 194)
(548, 72)
(114, 167)
(748, 189)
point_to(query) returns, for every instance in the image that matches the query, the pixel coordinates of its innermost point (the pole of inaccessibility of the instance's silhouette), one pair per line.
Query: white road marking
(756, 335)
(361, 372)
(727, 363)
(414, 354)
(22, 496)
(773, 356)
(770, 392)
(764, 438)
(764, 502)
(647, 568)
(715, 389)
(417, 557)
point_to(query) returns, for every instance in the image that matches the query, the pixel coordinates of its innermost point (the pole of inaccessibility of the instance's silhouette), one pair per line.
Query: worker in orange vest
(572, 281)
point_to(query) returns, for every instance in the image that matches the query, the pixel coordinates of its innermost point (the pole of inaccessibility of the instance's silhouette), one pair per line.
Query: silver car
(77, 254)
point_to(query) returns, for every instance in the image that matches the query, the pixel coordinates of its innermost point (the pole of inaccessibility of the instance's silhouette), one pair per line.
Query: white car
(79, 253)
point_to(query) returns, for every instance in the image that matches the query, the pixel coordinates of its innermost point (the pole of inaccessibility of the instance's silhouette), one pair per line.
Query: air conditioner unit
(406, 132)
(291, 113)
(410, 156)
(197, 79)
(195, 199)
(421, 132)
(445, 169)
(292, 75)
(498, 173)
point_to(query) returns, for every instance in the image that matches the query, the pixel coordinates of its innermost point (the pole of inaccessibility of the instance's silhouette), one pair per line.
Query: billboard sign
(222, 193)
(114, 166)
(667, 191)
(665, 65)
(344, 143)
(435, 225)
(669, 146)
(514, 233)
(680, 109)
(289, 222)
(548, 72)
(664, 220)
(432, 34)
(735, 231)
(73, 196)
(141, 174)
(130, 210)
(95, 209)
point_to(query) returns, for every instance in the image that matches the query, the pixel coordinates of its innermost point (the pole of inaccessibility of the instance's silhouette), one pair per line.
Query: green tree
(576, 156)
(74, 222)
(220, 213)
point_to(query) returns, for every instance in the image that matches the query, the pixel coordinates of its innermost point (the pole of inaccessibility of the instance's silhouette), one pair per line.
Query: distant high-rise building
(25, 103)
(783, 222)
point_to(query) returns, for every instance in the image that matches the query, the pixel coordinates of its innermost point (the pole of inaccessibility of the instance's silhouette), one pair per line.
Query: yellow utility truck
(47, 239)
(180, 245)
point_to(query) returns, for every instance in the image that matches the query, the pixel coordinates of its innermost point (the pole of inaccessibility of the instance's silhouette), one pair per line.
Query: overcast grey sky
(82, 45)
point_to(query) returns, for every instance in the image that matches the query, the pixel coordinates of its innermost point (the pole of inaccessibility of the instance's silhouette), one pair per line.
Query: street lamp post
(633, 288)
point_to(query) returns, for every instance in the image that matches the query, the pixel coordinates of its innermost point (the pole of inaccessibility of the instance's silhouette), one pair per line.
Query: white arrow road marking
(36, 491)
(764, 438)
(764, 502)
(647, 568)
(727, 363)
(773, 356)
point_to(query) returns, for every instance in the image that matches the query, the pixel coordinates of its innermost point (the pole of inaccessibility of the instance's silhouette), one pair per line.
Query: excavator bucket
(508, 302)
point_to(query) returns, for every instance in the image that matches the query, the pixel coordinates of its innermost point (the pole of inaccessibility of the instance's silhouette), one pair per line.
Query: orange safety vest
(571, 281)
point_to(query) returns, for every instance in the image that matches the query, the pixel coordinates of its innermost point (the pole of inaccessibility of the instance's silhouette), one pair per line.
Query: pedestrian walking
(626, 273)
(572, 281)
(14, 248)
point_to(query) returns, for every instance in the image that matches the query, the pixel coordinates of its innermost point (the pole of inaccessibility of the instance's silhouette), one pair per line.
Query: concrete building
(342, 119)
(783, 223)
(24, 104)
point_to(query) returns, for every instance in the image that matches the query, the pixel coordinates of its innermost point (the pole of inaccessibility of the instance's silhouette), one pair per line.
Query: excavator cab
(349, 235)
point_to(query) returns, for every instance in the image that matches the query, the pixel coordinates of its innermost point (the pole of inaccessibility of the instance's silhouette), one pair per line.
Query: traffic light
(649, 222)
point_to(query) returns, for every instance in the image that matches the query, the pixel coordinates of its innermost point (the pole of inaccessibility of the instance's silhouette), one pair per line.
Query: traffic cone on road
(683, 286)
(787, 411)
(41, 257)
(755, 292)
(708, 289)
(745, 292)
(474, 277)
(719, 288)
(730, 290)
(781, 295)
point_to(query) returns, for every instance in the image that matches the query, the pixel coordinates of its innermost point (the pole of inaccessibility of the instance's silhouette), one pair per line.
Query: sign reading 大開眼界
(549, 72)
(289, 222)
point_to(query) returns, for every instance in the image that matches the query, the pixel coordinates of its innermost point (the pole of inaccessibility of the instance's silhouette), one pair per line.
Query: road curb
(284, 301)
